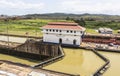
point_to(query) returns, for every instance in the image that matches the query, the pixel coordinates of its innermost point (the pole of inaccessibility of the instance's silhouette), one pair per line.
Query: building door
(74, 42)
(60, 41)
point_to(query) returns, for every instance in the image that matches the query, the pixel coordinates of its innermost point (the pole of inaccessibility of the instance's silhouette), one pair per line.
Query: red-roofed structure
(63, 33)
(64, 26)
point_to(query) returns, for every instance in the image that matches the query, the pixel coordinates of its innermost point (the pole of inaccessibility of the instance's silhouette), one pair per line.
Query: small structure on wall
(63, 33)
(118, 32)
(105, 30)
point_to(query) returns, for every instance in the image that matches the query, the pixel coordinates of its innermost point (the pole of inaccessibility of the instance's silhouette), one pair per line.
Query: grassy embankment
(92, 26)
(32, 26)
(20, 27)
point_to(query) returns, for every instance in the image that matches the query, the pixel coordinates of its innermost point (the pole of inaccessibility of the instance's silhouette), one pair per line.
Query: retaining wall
(104, 67)
(33, 50)
(52, 60)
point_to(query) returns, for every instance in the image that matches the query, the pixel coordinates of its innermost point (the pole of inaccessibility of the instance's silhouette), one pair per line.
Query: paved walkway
(13, 39)
(104, 46)
(13, 69)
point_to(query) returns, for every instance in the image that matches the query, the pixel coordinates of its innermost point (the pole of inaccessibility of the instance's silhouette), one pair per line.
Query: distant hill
(74, 16)
(86, 16)
(3, 16)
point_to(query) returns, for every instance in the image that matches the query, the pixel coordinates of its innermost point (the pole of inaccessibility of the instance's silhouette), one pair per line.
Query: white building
(63, 33)
(105, 30)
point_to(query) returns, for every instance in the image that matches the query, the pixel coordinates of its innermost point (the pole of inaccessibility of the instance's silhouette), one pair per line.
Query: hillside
(74, 16)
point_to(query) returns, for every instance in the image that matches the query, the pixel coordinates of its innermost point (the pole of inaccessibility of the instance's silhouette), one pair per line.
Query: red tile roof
(63, 25)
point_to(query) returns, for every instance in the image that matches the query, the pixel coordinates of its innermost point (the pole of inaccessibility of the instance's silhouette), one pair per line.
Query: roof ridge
(64, 26)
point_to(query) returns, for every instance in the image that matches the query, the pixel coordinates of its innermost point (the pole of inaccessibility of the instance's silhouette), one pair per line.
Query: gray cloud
(88, 6)
(9, 4)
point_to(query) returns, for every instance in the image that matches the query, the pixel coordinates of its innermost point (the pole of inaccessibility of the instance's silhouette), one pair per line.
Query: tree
(101, 24)
(68, 18)
(80, 22)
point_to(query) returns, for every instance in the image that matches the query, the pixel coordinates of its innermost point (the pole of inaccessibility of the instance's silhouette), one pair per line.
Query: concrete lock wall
(39, 48)
(33, 50)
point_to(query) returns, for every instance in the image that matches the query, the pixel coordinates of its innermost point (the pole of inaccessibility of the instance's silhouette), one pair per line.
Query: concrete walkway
(103, 46)
(13, 39)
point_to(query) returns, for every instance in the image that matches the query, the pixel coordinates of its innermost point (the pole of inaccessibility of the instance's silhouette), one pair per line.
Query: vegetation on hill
(33, 22)
(86, 16)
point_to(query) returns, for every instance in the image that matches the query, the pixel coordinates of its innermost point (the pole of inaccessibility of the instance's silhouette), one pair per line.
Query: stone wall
(33, 50)
(39, 48)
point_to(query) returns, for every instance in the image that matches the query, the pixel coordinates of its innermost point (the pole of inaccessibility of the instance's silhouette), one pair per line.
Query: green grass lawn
(32, 26)
(92, 31)
(91, 26)
(20, 27)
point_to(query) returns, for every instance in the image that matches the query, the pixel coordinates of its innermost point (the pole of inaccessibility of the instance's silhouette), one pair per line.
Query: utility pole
(7, 35)
(7, 21)
(36, 32)
(27, 35)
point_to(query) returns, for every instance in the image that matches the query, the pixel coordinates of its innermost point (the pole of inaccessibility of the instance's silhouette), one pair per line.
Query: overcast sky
(21, 7)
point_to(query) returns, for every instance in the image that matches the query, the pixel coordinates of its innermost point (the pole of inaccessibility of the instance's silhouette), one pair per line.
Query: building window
(56, 30)
(60, 31)
(50, 30)
(71, 31)
(81, 32)
(53, 30)
(74, 31)
(67, 31)
(74, 42)
(46, 29)
(60, 41)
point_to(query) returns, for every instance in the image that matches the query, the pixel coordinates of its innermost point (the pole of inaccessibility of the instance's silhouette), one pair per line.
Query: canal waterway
(114, 58)
(77, 61)
(18, 59)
